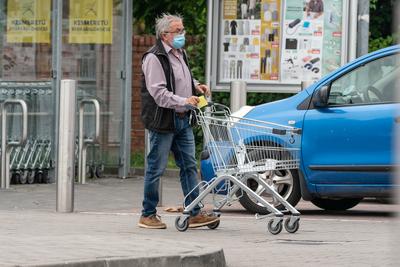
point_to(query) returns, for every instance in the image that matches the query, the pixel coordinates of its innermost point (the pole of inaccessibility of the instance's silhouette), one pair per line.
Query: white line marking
(233, 216)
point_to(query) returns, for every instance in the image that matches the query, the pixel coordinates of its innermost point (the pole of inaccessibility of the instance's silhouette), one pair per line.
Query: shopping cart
(240, 149)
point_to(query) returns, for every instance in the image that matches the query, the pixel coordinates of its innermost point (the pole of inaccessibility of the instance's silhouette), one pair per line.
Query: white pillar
(238, 95)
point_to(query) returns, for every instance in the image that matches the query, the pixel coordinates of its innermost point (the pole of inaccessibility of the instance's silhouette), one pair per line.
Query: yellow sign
(28, 21)
(202, 102)
(90, 21)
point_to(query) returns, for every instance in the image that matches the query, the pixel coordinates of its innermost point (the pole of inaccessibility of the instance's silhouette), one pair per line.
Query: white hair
(163, 23)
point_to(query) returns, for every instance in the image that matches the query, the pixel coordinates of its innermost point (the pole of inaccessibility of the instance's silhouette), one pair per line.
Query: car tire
(336, 204)
(290, 190)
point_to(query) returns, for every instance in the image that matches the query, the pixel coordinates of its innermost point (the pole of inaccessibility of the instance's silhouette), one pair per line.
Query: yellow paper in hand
(203, 102)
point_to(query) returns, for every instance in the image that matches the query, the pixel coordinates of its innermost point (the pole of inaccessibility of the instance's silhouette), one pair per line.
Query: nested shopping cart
(241, 149)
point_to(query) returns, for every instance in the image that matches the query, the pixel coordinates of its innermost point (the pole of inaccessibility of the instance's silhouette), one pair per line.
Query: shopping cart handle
(210, 104)
(278, 131)
(297, 131)
(190, 107)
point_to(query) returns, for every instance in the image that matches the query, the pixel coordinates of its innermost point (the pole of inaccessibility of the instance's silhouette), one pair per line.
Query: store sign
(90, 21)
(28, 21)
(279, 41)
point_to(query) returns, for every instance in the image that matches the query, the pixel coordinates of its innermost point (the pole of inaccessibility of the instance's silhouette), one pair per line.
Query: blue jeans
(181, 143)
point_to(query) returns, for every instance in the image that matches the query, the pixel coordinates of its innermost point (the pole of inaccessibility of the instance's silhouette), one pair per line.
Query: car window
(373, 82)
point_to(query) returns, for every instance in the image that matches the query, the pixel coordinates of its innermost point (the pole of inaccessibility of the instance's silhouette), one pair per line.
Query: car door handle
(397, 119)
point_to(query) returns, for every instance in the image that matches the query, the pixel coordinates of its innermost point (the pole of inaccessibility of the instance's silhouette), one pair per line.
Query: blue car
(348, 121)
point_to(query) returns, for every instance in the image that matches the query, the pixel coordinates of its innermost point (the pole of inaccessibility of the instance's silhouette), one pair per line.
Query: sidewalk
(101, 232)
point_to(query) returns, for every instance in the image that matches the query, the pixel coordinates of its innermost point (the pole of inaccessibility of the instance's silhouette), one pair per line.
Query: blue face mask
(179, 41)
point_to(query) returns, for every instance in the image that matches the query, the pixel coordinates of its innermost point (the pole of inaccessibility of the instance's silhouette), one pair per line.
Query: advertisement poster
(90, 21)
(19, 63)
(332, 48)
(28, 21)
(250, 35)
(311, 39)
(270, 40)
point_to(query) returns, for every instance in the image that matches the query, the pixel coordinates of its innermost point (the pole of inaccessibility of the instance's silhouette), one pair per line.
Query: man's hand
(203, 89)
(193, 100)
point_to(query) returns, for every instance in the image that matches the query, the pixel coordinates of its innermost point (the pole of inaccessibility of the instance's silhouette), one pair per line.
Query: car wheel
(336, 204)
(285, 182)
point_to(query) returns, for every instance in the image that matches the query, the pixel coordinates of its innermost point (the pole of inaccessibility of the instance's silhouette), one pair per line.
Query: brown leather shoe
(151, 222)
(202, 219)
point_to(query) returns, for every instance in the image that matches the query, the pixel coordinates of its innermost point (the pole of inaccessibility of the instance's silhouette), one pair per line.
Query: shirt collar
(169, 49)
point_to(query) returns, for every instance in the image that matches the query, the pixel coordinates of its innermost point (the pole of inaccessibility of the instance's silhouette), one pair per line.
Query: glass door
(92, 36)
(25, 73)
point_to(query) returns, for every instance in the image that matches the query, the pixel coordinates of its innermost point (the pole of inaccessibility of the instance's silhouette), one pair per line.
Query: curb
(214, 258)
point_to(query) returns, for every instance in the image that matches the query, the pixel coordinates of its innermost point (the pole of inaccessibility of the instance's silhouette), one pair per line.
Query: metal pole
(57, 17)
(363, 29)
(209, 42)
(126, 76)
(65, 169)
(83, 143)
(238, 95)
(5, 145)
(353, 30)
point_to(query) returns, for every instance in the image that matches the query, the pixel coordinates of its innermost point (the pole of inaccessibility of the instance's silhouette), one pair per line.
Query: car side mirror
(320, 99)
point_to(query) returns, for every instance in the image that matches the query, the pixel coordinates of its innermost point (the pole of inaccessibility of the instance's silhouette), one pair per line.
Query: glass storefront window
(92, 53)
(25, 33)
(26, 63)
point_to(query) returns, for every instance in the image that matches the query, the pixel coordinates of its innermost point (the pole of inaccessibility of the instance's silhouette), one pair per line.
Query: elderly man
(167, 89)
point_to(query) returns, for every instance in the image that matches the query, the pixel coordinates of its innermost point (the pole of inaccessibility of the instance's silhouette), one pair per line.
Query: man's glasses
(178, 31)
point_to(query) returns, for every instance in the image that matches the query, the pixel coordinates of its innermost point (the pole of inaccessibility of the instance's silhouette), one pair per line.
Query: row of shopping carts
(32, 162)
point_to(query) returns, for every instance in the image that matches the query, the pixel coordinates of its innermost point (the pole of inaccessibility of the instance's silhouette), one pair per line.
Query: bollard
(238, 95)
(65, 162)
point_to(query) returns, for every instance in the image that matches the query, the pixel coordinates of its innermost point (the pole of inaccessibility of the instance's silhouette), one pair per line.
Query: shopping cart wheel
(99, 171)
(182, 223)
(45, 177)
(90, 171)
(13, 179)
(292, 228)
(274, 230)
(21, 178)
(25, 174)
(31, 177)
(213, 225)
(39, 177)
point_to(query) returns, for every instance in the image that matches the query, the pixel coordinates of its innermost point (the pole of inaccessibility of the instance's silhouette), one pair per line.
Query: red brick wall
(140, 44)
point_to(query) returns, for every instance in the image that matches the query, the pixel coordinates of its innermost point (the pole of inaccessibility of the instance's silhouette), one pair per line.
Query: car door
(350, 140)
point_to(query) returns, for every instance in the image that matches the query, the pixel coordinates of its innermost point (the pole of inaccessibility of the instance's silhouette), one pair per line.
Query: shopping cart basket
(233, 143)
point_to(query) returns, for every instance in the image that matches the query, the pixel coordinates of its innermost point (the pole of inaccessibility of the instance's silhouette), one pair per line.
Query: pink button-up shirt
(157, 83)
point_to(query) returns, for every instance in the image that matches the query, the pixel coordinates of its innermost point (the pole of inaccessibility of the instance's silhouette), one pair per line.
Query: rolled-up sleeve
(156, 84)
